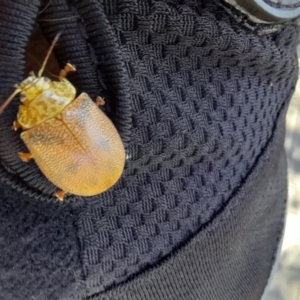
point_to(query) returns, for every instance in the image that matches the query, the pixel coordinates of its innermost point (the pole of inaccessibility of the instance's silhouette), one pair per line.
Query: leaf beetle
(72, 141)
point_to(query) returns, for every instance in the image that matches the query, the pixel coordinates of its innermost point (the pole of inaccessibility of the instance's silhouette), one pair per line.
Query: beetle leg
(60, 195)
(16, 125)
(99, 101)
(25, 156)
(68, 68)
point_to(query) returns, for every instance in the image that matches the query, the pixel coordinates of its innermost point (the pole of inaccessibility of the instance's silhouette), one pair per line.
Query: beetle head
(32, 86)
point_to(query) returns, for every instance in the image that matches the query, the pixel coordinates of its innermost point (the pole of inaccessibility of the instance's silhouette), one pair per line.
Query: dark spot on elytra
(103, 143)
(45, 139)
(72, 168)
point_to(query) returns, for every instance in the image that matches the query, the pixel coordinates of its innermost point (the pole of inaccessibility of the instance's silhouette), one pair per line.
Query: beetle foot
(99, 101)
(68, 68)
(16, 125)
(25, 156)
(60, 195)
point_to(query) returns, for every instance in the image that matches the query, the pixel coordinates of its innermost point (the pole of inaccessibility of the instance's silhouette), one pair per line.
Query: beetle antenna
(48, 55)
(7, 101)
(33, 58)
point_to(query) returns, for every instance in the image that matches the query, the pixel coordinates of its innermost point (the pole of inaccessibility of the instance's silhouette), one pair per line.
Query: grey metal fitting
(268, 11)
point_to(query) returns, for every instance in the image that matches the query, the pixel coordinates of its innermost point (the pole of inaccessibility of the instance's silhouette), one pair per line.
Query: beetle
(72, 141)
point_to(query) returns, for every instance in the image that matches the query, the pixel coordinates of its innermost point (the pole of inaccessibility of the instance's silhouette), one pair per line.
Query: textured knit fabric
(199, 101)
(229, 258)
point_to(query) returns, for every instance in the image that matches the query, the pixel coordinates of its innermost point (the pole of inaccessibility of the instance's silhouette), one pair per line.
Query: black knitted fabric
(196, 98)
(229, 257)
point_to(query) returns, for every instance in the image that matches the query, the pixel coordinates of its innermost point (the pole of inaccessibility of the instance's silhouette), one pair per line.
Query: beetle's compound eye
(22, 97)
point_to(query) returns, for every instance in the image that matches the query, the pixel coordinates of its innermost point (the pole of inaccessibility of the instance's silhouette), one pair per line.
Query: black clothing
(199, 98)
